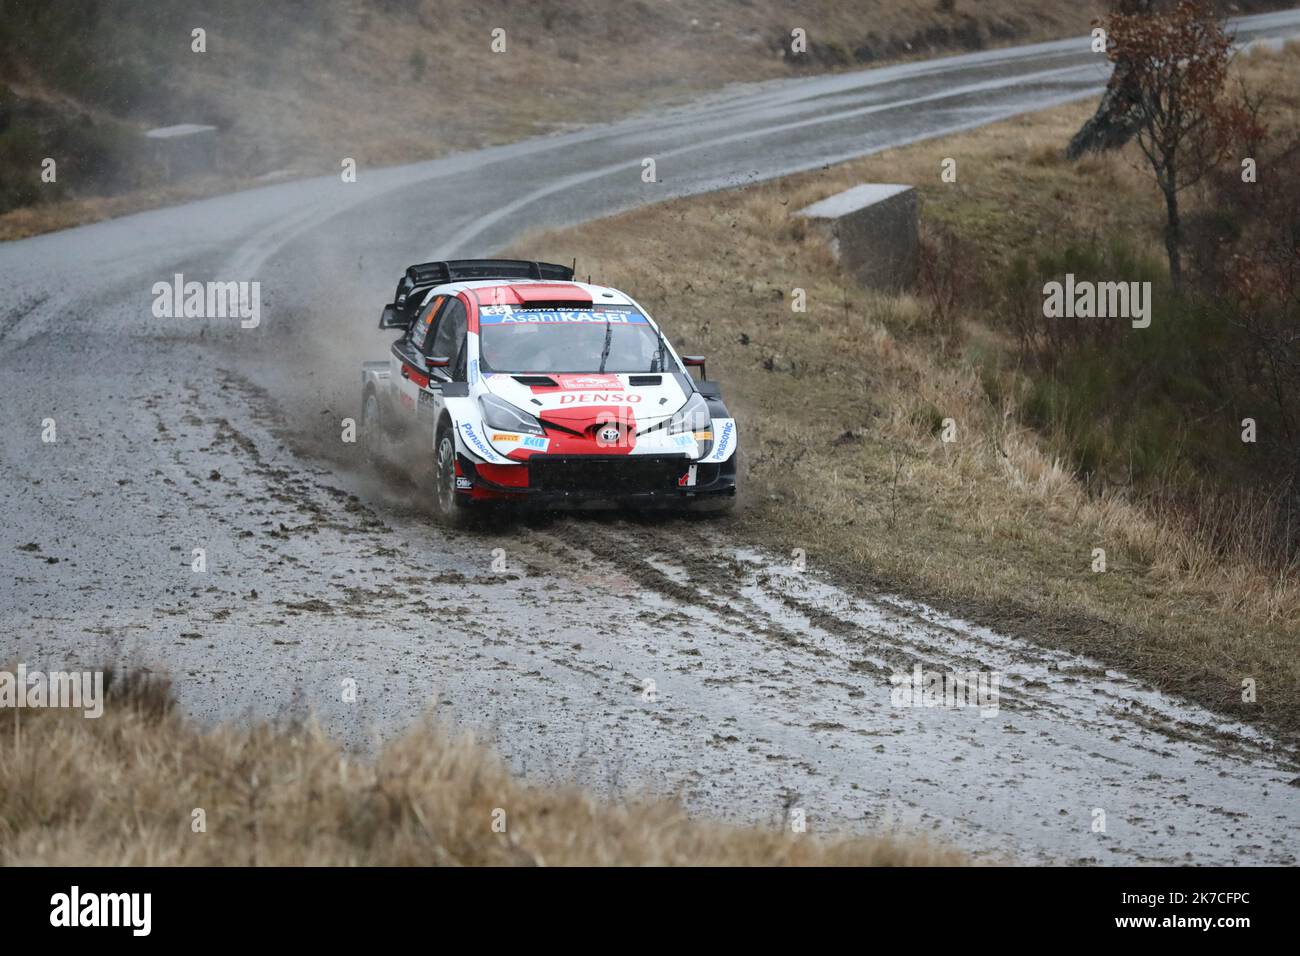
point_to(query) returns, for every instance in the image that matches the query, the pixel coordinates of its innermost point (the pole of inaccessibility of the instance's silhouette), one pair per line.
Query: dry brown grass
(348, 86)
(992, 526)
(34, 220)
(122, 790)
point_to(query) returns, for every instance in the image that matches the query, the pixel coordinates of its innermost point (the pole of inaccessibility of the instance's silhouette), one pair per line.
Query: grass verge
(130, 789)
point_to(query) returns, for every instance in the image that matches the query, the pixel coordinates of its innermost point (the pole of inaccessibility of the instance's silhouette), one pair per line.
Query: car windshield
(611, 338)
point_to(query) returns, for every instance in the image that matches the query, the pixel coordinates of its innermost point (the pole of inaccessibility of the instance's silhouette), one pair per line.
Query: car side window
(449, 338)
(420, 327)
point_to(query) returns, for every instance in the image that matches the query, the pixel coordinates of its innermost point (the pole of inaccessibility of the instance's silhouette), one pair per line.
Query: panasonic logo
(472, 437)
(724, 439)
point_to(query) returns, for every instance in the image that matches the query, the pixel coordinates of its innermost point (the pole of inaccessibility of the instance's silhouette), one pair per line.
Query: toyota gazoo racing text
(533, 388)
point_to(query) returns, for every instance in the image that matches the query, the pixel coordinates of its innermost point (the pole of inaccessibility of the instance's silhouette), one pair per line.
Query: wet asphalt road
(620, 655)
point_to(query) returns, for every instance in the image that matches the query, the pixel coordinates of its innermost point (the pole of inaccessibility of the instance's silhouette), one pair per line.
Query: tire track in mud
(1083, 729)
(916, 631)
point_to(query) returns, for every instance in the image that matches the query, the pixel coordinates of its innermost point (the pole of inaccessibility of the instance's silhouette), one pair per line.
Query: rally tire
(450, 505)
(372, 431)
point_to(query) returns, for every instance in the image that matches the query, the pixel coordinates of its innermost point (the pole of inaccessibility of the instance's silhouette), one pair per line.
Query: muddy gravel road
(626, 655)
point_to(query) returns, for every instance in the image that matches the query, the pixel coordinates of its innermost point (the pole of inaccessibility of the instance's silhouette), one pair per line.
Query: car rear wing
(421, 277)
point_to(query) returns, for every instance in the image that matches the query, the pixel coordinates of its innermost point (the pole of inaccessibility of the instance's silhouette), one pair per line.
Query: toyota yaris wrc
(529, 387)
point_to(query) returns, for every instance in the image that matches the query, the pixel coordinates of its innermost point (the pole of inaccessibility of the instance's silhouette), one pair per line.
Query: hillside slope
(295, 87)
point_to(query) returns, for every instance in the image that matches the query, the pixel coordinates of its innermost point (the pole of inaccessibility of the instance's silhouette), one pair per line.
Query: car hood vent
(645, 379)
(540, 381)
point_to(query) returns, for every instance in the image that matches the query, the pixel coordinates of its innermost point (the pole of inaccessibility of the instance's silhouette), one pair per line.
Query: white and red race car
(533, 388)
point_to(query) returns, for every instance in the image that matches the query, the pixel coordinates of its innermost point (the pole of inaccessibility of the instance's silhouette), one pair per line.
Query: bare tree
(1176, 65)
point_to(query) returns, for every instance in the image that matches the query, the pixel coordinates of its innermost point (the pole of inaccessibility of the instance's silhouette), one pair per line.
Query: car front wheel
(451, 506)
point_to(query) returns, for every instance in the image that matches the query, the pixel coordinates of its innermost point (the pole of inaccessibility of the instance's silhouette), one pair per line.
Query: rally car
(518, 384)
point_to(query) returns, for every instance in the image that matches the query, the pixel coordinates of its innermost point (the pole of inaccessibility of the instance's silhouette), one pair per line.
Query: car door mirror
(695, 361)
(390, 319)
(437, 361)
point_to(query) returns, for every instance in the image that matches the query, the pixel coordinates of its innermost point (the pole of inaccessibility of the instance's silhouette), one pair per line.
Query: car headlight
(692, 417)
(505, 417)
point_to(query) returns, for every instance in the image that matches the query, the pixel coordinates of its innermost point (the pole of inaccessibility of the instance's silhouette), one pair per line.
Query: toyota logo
(609, 435)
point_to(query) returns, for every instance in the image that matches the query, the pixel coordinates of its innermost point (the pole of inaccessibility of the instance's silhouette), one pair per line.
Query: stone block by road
(873, 229)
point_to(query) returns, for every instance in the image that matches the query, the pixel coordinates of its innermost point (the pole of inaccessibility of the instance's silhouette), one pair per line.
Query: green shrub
(1126, 405)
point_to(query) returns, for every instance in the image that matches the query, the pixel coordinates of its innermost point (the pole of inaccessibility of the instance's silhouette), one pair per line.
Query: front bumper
(593, 480)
